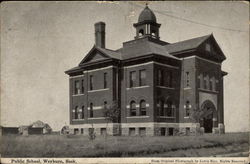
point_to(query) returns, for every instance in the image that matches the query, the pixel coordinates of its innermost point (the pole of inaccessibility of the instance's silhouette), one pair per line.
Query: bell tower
(147, 25)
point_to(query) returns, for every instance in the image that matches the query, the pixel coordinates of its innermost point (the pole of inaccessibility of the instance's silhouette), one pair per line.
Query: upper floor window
(105, 105)
(142, 80)
(132, 108)
(143, 108)
(160, 77)
(77, 87)
(208, 47)
(105, 80)
(91, 112)
(75, 114)
(132, 79)
(187, 79)
(205, 83)
(82, 112)
(169, 79)
(187, 108)
(91, 82)
(82, 86)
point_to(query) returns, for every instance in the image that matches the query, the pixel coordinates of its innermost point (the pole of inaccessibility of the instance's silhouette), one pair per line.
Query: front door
(208, 125)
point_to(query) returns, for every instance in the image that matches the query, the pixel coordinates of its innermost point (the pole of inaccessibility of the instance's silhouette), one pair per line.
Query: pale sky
(40, 40)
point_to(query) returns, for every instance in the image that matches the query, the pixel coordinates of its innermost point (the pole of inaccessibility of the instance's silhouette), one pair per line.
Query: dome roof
(147, 15)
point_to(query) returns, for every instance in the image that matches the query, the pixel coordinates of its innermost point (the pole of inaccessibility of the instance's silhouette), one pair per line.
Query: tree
(112, 113)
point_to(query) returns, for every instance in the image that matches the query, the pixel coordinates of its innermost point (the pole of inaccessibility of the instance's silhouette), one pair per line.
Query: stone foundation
(145, 129)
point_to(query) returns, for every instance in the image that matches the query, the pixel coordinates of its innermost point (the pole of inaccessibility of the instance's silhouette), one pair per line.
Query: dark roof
(186, 44)
(111, 53)
(147, 15)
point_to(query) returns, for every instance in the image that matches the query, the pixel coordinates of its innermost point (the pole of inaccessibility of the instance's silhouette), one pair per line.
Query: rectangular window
(76, 131)
(77, 87)
(170, 131)
(132, 131)
(132, 78)
(211, 84)
(91, 82)
(82, 86)
(142, 80)
(169, 79)
(91, 112)
(163, 131)
(187, 79)
(205, 83)
(103, 131)
(82, 131)
(160, 78)
(142, 131)
(105, 80)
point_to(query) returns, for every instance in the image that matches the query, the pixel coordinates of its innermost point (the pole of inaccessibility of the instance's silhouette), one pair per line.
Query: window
(161, 108)
(82, 131)
(77, 87)
(160, 78)
(82, 112)
(187, 79)
(103, 131)
(105, 105)
(170, 109)
(91, 113)
(132, 108)
(170, 131)
(208, 47)
(187, 106)
(211, 84)
(142, 131)
(132, 131)
(76, 113)
(141, 32)
(91, 82)
(169, 79)
(76, 131)
(153, 33)
(143, 108)
(82, 86)
(142, 80)
(132, 77)
(205, 82)
(163, 131)
(105, 80)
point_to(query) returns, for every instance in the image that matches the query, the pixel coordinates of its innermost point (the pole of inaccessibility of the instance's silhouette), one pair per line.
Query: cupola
(147, 25)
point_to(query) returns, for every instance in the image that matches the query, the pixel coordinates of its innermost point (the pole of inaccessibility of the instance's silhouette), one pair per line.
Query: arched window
(105, 105)
(141, 32)
(132, 108)
(91, 113)
(153, 33)
(187, 108)
(143, 108)
(76, 112)
(82, 112)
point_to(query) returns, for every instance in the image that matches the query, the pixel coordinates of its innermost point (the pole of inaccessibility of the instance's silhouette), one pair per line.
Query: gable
(94, 55)
(211, 48)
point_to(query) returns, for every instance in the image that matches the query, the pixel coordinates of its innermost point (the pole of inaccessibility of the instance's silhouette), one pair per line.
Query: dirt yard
(236, 144)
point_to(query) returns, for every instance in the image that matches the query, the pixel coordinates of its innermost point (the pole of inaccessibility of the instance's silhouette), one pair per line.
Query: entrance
(208, 113)
(208, 125)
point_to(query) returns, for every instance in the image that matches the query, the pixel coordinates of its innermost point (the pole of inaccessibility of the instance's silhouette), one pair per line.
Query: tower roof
(147, 15)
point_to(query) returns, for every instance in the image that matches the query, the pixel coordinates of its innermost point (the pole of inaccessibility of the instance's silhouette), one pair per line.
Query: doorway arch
(208, 115)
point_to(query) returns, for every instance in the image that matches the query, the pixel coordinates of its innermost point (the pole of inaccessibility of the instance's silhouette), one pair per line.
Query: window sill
(163, 87)
(145, 86)
(78, 94)
(138, 117)
(186, 117)
(206, 90)
(186, 88)
(97, 90)
(166, 117)
(95, 118)
(78, 119)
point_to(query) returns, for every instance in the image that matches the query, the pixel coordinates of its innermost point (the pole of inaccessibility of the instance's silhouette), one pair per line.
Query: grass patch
(122, 146)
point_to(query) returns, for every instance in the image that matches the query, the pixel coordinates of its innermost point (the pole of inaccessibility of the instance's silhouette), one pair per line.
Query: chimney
(100, 34)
